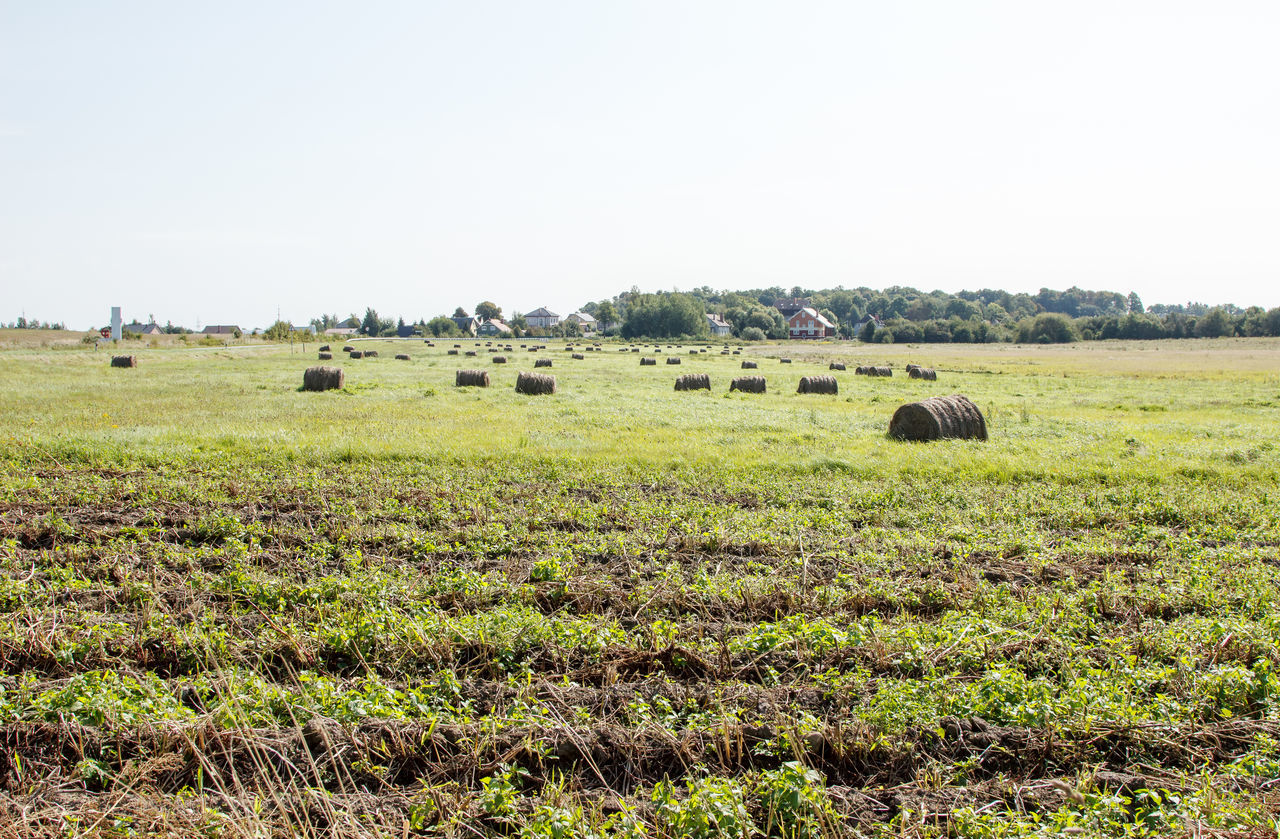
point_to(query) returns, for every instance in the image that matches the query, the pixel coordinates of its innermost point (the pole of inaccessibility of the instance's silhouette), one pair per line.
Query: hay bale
(747, 384)
(784, 361)
(452, 352)
(499, 359)
(737, 352)
(926, 373)
(577, 356)
(911, 367)
(471, 353)
(648, 362)
(124, 361)
(370, 353)
(324, 348)
(471, 378)
(493, 349)
(939, 418)
(323, 378)
(347, 348)
(883, 371)
(724, 352)
(818, 384)
(356, 354)
(326, 356)
(672, 359)
(836, 365)
(542, 362)
(693, 381)
(749, 365)
(860, 371)
(693, 352)
(535, 384)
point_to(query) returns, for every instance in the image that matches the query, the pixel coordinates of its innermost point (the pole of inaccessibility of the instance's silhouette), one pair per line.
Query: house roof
(496, 324)
(813, 313)
(341, 330)
(219, 329)
(716, 319)
(540, 312)
(582, 316)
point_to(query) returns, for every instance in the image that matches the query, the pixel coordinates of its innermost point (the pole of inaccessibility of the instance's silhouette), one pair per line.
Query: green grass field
(231, 607)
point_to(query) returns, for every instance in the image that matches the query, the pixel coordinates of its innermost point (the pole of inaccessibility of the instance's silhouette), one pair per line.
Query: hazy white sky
(210, 162)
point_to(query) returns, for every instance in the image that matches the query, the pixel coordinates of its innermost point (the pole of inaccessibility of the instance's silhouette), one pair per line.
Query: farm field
(233, 608)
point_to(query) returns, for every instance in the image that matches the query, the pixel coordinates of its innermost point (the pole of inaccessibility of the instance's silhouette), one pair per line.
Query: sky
(227, 162)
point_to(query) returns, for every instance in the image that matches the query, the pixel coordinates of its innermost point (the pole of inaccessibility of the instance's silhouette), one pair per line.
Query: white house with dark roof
(541, 318)
(718, 325)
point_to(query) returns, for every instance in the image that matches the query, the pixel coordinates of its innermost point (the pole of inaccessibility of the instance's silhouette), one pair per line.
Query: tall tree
(489, 310)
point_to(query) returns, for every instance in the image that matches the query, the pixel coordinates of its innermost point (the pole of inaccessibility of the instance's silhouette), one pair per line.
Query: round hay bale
(911, 367)
(452, 352)
(493, 349)
(324, 348)
(648, 362)
(749, 365)
(926, 373)
(356, 354)
(724, 352)
(542, 362)
(784, 361)
(883, 371)
(747, 384)
(693, 352)
(326, 356)
(818, 384)
(471, 378)
(860, 371)
(939, 418)
(347, 348)
(672, 359)
(535, 384)
(370, 353)
(836, 365)
(323, 378)
(737, 352)
(457, 346)
(577, 356)
(402, 357)
(124, 361)
(499, 359)
(693, 381)
(471, 353)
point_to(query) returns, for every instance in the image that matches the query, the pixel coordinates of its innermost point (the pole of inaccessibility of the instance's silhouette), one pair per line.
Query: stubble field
(229, 607)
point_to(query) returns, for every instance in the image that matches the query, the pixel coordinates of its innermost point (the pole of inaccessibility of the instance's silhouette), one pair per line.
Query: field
(233, 608)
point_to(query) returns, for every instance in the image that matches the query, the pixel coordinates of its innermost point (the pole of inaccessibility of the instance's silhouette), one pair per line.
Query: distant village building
(467, 324)
(586, 323)
(718, 325)
(342, 331)
(493, 327)
(790, 305)
(143, 328)
(541, 318)
(221, 329)
(808, 323)
(863, 322)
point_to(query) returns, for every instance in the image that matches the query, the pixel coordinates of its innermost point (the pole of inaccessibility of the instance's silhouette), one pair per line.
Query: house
(790, 305)
(302, 330)
(342, 331)
(406, 330)
(807, 323)
(718, 325)
(221, 329)
(586, 324)
(143, 328)
(541, 318)
(863, 322)
(352, 323)
(467, 324)
(493, 327)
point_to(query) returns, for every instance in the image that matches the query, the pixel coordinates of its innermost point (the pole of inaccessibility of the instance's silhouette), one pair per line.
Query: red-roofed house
(807, 323)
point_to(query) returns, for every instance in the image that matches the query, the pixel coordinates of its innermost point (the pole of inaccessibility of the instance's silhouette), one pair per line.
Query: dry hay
(471, 378)
(747, 384)
(356, 354)
(452, 352)
(370, 353)
(324, 348)
(578, 356)
(471, 353)
(673, 359)
(938, 418)
(818, 384)
(499, 359)
(724, 352)
(648, 362)
(492, 349)
(693, 381)
(535, 384)
(860, 371)
(749, 365)
(883, 371)
(402, 356)
(323, 378)
(836, 365)
(347, 348)
(124, 361)
(326, 356)
(737, 352)
(784, 361)
(693, 352)
(926, 373)
(542, 362)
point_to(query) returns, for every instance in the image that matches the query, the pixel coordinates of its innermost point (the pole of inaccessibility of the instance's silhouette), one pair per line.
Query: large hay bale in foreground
(748, 384)
(926, 373)
(499, 359)
(648, 362)
(818, 384)
(471, 378)
(542, 362)
(535, 384)
(749, 365)
(939, 418)
(836, 365)
(693, 381)
(323, 378)
(326, 356)
(124, 361)
(672, 359)
(356, 354)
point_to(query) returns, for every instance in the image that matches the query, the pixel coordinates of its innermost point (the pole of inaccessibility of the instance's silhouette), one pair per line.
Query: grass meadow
(232, 608)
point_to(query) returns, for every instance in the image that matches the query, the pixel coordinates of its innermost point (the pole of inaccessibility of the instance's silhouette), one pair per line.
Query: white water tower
(116, 323)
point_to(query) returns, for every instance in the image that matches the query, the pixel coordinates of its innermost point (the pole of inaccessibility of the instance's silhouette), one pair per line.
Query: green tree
(666, 315)
(605, 314)
(489, 310)
(443, 327)
(1047, 328)
(278, 331)
(1215, 324)
(369, 324)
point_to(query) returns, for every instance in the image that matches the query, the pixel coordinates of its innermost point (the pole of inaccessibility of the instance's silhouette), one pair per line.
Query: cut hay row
(542, 362)
(124, 361)
(471, 378)
(818, 384)
(748, 384)
(939, 418)
(535, 384)
(323, 378)
(693, 381)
